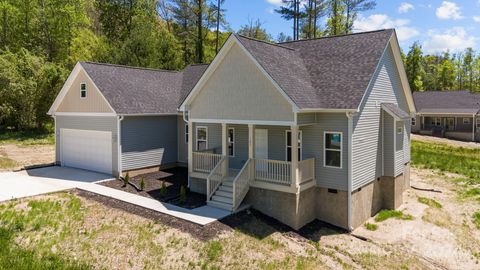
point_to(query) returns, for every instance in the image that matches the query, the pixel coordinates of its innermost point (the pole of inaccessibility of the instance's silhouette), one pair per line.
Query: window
(288, 139)
(438, 121)
(202, 138)
(466, 120)
(231, 142)
(478, 122)
(83, 90)
(399, 130)
(414, 121)
(186, 133)
(332, 156)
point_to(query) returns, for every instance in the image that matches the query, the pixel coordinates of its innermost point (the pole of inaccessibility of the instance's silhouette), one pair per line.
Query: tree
(219, 21)
(352, 7)
(313, 10)
(446, 73)
(255, 30)
(283, 38)
(290, 10)
(183, 16)
(468, 60)
(414, 67)
(336, 20)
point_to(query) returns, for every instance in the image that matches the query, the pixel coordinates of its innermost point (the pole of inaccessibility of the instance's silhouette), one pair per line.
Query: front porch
(460, 127)
(231, 158)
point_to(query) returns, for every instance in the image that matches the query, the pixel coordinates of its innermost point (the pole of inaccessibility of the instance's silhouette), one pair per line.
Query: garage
(86, 149)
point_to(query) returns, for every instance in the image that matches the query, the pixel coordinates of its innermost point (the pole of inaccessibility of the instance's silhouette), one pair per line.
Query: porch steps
(223, 197)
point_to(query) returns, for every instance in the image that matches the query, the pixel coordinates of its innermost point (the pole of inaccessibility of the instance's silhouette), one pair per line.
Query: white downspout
(119, 145)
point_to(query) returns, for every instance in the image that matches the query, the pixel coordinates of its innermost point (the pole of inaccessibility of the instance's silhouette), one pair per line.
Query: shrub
(163, 188)
(126, 180)
(183, 194)
(142, 183)
(371, 227)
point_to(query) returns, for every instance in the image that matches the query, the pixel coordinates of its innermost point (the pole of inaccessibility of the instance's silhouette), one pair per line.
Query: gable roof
(459, 102)
(395, 111)
(329, 73)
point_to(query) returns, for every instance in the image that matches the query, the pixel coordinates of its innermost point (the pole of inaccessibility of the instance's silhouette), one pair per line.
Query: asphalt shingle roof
(460, 102)
(330, 72)
(131, 90)
(399, 113)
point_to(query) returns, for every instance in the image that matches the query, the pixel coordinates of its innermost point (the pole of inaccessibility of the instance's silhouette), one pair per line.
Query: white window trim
(86, 94)
(300, 146)
(196, 136)
(466, 122)
(186, 133)
(478, 122)
(325, 149)
(399, 130)
(414, 121)
(439, 122)
(233, 141)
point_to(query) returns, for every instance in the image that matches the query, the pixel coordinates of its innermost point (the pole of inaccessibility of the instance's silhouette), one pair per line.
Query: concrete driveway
(45, 180)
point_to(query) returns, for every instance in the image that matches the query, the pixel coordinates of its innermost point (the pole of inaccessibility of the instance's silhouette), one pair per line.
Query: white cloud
(454, 39)
(382, 21)
(476, 18)
(405, 7)
(449, 10)
(270, 10)
(275, 2)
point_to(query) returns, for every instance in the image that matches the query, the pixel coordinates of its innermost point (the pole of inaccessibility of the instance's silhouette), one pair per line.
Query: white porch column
(473, 128)
(225, 147)
(190, 146)
(251, 148)
(294, 143)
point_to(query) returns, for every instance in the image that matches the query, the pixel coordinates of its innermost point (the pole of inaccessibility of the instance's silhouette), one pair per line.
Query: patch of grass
(214, 250)
(27, 137)
(476, 219)
(447, 158)
(7, 163)
(371, 227)
(430, 202)
(386, 214)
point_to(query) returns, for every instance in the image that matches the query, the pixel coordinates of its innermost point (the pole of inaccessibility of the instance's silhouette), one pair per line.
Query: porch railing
(306, 170)
(205, 162)
(273, 171)
(241, 183)
(216, 177)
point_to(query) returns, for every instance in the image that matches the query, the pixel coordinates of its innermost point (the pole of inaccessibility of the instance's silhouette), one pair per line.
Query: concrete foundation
(332, 207)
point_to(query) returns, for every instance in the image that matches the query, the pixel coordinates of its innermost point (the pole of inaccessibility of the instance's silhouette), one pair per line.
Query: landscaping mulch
(174, 179)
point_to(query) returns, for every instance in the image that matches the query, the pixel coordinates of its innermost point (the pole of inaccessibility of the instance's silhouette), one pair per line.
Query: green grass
(7, 163)
(476, 219)
(430, 202)
(386, 214)
(26, 138)
(446, 158)
(214, 250)
(371, 227)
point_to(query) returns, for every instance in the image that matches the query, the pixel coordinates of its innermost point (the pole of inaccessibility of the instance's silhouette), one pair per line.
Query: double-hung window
(478, 122)
(186, 133)
(466, 120)
(414, 121)
(202, 138)
(231, 142)
(332, 156)
(288, 139)
(83, 90)
(438, 121)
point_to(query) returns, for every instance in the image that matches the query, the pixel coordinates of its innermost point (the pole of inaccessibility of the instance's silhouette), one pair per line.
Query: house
(111, 118)
(302, 130)
(451, 114)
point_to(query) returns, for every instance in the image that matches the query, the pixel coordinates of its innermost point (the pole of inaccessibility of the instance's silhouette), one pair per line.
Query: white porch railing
(216, 177)
(241, 183)
(273, 171)
(306, 170)
(205, 162)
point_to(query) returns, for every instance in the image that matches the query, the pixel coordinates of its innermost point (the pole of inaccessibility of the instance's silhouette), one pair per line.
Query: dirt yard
(425, 138)
(17, 156)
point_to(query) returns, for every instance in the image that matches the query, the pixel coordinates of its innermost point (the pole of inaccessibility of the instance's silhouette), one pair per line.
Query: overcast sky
(438, 25)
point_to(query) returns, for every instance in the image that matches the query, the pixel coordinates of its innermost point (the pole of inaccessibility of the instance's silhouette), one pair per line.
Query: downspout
(350, 175)
(119, 145)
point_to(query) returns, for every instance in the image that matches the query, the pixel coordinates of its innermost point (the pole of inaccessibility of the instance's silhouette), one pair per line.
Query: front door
(450, 124)
(261, 143)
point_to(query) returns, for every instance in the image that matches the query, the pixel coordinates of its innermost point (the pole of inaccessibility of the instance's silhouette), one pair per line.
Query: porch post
(190, 147)
(251, 148)
(225, 147)
(294, 155)
(473, 128)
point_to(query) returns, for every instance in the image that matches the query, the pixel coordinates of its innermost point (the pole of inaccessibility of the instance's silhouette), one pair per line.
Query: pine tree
(414, 67)
(352, 7)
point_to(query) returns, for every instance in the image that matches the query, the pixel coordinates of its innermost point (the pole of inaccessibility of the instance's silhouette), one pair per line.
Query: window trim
(299, 147)
(414, 121)
(83, 83)
(329, 149)
(233, 141)
(478, 122)
(399, 130)
(438, 122)
(186, 133)
(196, 136)
(467, 122)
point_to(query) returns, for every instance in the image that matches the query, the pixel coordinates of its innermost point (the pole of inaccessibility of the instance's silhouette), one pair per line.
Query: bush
(126, 180)
(183, 194)
(142, 183)
(163, 188)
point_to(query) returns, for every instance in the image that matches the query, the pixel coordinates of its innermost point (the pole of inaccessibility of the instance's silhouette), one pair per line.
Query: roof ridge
(337, 36)
(132, 67)
(266, 42)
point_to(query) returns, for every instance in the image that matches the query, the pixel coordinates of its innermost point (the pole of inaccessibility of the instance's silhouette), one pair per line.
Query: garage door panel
(86, 149)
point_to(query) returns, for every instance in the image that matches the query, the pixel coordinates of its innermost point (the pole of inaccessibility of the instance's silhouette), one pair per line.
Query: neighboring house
(304, 130)
(451, 114)
(111, 118)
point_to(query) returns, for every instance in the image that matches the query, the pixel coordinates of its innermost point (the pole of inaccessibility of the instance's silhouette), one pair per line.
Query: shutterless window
(83, 90)
(438, 121)
(399, 130)
(186, 133)
(466, 120)
(231, 142)
(288, 139)
(414, 121)
(332, 156)
(202, 138)
(478, 122)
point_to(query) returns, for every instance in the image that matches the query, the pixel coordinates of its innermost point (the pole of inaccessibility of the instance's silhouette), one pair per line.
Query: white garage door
(86, 149)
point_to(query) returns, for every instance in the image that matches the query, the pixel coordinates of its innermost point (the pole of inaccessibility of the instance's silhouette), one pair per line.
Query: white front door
(261, 143)
(86, 149)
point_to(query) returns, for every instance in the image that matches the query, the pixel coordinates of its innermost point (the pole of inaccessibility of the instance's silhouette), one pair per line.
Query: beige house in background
(304, 130)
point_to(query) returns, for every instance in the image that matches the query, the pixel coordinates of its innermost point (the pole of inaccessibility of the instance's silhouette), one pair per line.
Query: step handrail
(216, 177)
(241, 184)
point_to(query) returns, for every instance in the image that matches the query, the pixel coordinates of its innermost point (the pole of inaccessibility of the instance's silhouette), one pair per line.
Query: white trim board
(243, 122)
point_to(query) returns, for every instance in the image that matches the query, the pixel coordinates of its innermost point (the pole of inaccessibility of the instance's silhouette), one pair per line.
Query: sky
(438, 25)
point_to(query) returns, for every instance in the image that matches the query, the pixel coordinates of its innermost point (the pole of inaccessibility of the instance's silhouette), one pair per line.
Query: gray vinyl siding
(276, 141)
(406, 142)
(388, 145)
(305, 118)
(366, 140)
(240, 146)
(313, 141)
(96, 123)
(181, 140)
(148, 141)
